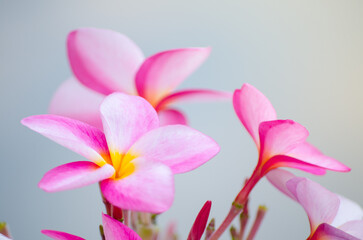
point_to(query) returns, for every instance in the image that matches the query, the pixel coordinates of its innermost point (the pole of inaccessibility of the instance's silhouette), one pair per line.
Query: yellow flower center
(123, 164)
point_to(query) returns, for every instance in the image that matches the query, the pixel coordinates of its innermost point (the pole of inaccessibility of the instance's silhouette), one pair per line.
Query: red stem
(242, 196)
(111, 210)
(243, 224)
(117, 213)
(233, 212)
(243, 219)
(256, 225)
(238, 204)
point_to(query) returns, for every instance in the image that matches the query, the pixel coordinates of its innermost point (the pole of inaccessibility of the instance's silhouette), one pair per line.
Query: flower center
(123, 164)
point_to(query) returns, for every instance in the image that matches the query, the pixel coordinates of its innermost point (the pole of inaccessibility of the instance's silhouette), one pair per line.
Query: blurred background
(305, 56)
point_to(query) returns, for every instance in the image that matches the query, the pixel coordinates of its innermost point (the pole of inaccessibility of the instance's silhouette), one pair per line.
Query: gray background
(306, 56)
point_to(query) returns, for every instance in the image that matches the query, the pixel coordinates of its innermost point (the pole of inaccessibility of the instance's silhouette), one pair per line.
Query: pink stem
(111, 210)
(242, 196)
(108, 205)
(233, 212)
(145, 218)
(238, 204)
(210, 229)
(133, 220)
(243, 223)
(125, 214)
(256, 225)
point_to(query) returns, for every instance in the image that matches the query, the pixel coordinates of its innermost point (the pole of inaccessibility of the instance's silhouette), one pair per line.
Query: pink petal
(150, 188)
(279, 178)
(348, 211)
(60, 235)
(200, 222)
(252, 108)
(171, 117)
(327, 232)
(192, 95)
(75, 101)
(104, 60)
(320, 204)
(354, 228)
(285, 161)
(283, 145)
(308, 153)
(125, 118)
(81, 138)
(177, 146)
(279, 137)
(307, 158)
(74, 175)
(115, 230)
(163, 72)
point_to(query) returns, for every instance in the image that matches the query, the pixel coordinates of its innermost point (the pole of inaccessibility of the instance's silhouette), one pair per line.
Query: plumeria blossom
(104, 61)
(113, 230)
(134, 159)
(280, 143)
(331, 216)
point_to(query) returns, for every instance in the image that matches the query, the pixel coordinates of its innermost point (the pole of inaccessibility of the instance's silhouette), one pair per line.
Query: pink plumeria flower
(331, 216)
(200, 222)
(133, 158)
(113, 230)
(280, 143)
(104, 61)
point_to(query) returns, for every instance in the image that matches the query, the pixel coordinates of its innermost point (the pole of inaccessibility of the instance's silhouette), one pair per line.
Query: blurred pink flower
(331, 216)
(104, 61)
(113, 230)
(133, 158)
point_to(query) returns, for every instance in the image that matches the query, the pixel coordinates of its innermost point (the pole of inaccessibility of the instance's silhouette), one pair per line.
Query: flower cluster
(116, 112)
